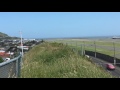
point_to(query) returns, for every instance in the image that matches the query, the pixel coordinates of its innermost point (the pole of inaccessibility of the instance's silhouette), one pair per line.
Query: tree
(1, 60)
(42, 41)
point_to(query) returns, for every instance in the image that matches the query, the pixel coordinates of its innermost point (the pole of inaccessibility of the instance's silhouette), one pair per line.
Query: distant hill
(5, 36)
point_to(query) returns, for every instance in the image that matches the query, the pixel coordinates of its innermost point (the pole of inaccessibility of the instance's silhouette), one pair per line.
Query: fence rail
(11, 68)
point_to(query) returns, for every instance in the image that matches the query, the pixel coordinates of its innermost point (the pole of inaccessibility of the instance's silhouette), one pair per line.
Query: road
(102, 63)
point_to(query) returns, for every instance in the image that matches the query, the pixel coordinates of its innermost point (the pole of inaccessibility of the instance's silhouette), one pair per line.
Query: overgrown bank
(55, 60)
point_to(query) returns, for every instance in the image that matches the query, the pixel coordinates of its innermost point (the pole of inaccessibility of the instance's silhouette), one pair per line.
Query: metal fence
(110, 51)
(108, 47)
(11, 68)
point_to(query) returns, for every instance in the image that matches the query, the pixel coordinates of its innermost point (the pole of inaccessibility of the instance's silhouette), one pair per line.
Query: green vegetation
(102, 46)
(56, 60)
(1, 60)
(5, 36)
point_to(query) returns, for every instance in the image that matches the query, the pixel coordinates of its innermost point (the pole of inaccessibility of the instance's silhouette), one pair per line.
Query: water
(94, 38)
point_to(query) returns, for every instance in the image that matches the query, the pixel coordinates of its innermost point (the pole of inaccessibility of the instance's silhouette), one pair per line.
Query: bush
(1, 60)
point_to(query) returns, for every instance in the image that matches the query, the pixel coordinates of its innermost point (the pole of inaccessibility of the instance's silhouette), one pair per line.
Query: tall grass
(106, 46)
(55, 60)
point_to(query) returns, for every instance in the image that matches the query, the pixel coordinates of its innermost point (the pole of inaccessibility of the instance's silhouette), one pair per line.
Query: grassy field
(54, 60)
(102, 46)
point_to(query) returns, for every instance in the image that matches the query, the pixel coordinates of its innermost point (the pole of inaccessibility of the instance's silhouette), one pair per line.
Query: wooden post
(76, 46)
(81, 50)
(114, 53)
(76, 43)
(95, 48)
(84, 47)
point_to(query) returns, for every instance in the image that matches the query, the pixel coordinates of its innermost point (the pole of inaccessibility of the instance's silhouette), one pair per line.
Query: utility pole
(21, 43)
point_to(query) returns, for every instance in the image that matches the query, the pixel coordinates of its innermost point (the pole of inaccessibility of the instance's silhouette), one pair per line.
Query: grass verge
(55, 60)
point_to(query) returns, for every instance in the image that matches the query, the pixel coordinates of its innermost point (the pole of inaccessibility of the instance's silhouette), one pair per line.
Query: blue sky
(60, 24)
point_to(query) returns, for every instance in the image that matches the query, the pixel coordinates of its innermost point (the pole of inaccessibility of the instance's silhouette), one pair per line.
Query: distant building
(24, 47)
(3, 54)
(31, 39)
(2, 49)
(115, 37)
